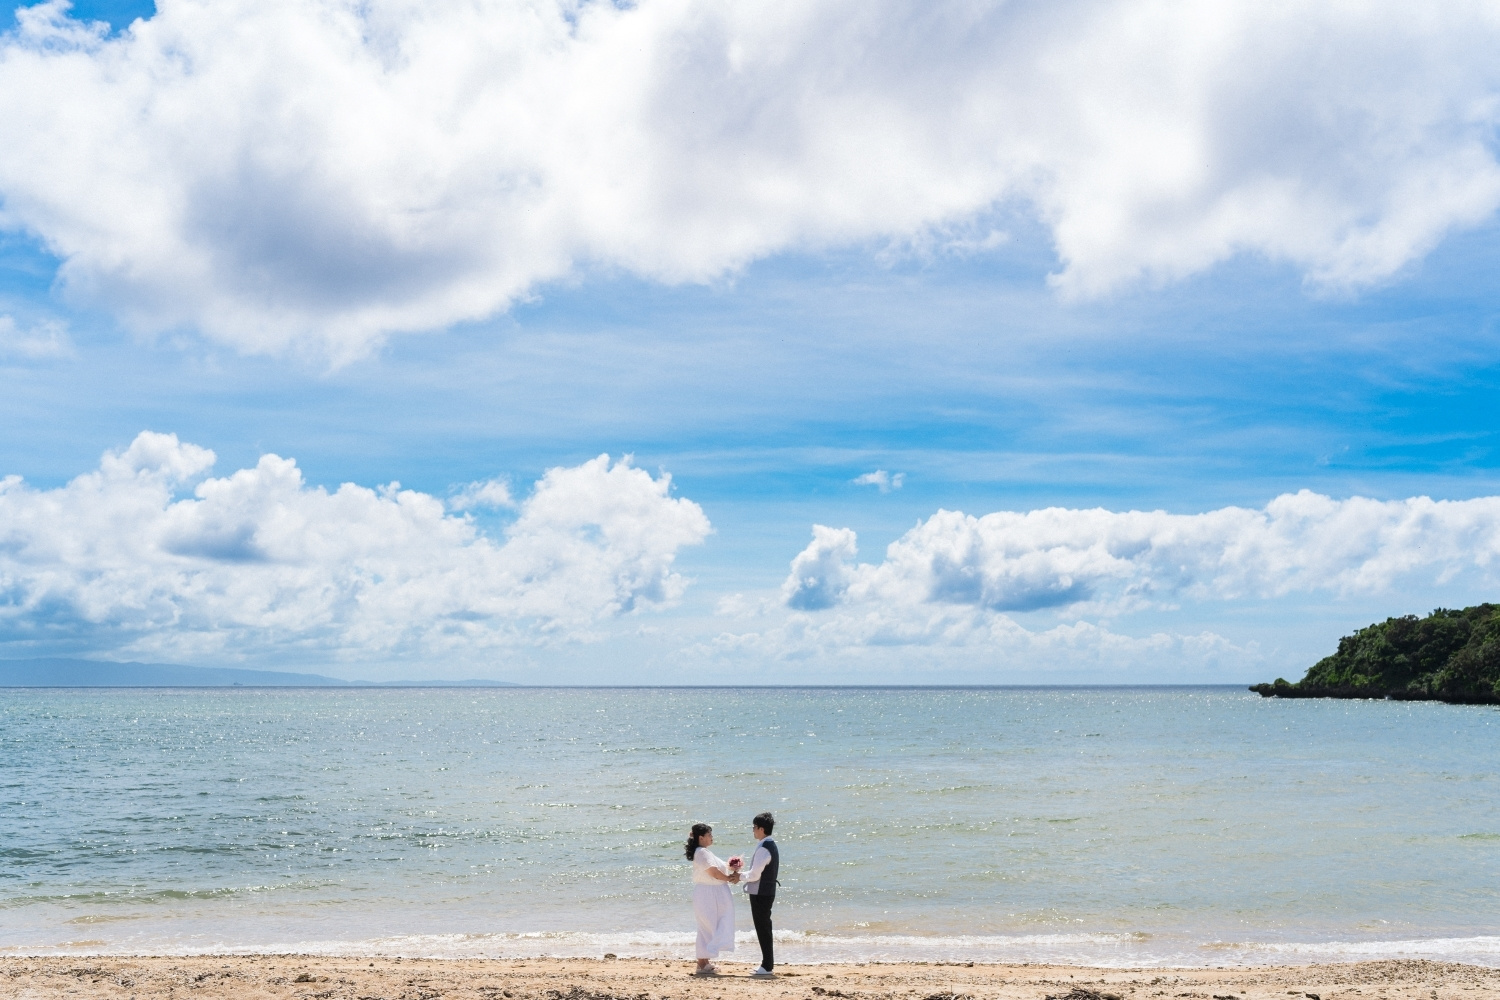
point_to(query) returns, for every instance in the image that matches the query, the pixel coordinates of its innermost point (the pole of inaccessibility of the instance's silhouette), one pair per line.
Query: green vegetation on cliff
(1448, 656)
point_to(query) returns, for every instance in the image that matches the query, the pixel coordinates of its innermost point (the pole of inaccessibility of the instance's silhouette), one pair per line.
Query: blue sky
(764, 382)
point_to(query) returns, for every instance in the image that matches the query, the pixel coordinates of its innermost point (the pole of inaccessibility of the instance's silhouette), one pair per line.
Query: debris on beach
(1083, 993)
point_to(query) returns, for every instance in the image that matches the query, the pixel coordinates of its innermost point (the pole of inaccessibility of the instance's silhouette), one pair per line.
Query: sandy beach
(323, 978)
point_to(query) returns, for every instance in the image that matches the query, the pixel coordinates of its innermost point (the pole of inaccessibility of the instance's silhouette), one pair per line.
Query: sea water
(1126, 826)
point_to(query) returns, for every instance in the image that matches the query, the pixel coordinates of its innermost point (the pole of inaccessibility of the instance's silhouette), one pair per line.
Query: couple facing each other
(713, 905)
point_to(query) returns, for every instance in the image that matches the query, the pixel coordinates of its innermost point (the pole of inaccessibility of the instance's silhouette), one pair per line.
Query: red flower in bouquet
(736, 861)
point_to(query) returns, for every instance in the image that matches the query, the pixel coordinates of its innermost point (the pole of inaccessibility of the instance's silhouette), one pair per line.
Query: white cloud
(1106, 561)
(881, 480)
(489, 494)
(258, 562)
(978, 644)
(47, 339)
(945, 596)
(821, 574)
(284, 173)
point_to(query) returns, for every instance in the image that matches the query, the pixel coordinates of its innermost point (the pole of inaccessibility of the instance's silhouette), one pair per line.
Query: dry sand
(320, 978)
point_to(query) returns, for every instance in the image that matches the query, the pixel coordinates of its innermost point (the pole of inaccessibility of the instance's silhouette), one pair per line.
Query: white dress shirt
(758, 862)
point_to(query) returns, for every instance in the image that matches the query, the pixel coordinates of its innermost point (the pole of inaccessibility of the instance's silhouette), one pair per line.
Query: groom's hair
(765, 821)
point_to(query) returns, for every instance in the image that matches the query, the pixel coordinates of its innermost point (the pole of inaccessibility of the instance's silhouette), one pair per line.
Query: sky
(824, 342)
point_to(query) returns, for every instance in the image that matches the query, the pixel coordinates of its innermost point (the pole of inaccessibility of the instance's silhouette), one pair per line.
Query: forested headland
(1451, 656)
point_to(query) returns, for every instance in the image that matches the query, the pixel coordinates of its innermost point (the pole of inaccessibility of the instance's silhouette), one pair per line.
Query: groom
(760, 884)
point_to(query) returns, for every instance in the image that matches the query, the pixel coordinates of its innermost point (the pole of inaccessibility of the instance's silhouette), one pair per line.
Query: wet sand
(298, 977)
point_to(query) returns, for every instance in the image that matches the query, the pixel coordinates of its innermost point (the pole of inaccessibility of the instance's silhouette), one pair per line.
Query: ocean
(1115, 826)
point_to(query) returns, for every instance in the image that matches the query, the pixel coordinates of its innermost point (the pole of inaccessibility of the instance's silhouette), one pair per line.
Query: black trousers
(760, 913)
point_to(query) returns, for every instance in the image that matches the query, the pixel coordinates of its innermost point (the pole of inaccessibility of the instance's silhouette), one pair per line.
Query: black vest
(765, 888)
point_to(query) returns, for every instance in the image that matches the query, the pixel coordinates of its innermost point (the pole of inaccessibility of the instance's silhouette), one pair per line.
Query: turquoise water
(1121, 826)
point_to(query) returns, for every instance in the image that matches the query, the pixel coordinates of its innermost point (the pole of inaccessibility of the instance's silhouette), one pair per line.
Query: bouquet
(735, 863)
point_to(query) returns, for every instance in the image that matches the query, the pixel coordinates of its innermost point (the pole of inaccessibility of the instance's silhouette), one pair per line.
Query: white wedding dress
(713, 906)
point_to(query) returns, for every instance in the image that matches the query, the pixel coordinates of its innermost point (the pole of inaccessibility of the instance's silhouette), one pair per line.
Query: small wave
(107, 918)
(793, 947)
(141, 897)
(1479, 950)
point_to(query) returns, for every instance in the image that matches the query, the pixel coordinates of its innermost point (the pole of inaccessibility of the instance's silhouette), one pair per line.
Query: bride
(713, 904)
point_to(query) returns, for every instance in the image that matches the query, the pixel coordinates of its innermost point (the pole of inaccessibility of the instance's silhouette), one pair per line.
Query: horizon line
(513, 686)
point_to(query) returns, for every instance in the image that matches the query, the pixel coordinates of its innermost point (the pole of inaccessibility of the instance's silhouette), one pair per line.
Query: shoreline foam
(1117, 951)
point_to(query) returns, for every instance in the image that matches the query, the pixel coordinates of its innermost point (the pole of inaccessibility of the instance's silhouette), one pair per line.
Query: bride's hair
(699, 829)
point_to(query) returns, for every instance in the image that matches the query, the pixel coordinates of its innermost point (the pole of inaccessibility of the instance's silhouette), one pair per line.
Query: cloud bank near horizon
(981, 646)
(947, 594)
(257, 562)
(317, 174)
(152, 556)
(1098, 561)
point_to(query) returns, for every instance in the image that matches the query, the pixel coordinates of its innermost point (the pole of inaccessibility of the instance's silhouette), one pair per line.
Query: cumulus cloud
(884, 481)
(1108, 561)
(947, 592)
(47, 339)
(259, 562)
(324, 172)
(490, 494)
(821, 574)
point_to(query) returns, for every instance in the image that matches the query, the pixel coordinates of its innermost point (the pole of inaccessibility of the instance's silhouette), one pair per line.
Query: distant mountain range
(100, 673)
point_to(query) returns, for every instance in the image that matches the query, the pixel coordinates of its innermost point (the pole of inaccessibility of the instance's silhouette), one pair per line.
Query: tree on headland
(1451, 656)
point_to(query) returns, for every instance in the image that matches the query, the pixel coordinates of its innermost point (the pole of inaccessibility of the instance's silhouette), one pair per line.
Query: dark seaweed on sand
(1451, 656)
